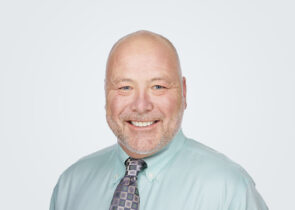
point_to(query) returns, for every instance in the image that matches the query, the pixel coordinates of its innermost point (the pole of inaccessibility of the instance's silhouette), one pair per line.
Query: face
(145, 96)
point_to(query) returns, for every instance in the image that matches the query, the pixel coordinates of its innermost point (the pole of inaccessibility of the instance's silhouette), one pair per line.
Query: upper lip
(141, 120)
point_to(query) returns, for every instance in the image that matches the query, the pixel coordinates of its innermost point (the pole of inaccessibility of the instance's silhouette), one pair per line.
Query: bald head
(142, 42)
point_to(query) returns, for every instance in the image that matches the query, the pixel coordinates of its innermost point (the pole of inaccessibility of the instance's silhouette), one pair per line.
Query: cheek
(115, 105)
(169, 105)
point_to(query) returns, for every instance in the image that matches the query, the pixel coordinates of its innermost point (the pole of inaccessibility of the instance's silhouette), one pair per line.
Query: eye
(158, 87)
(125, 88)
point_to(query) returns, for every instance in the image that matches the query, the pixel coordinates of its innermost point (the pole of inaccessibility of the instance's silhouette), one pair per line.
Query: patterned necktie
(126, 196)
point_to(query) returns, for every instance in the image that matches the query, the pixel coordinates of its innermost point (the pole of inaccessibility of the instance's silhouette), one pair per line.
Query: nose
(141, 103)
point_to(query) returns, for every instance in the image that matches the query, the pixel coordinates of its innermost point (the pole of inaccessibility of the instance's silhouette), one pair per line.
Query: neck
(135, 155)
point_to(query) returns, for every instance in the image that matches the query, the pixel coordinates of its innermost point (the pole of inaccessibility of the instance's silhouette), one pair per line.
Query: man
(145, 100)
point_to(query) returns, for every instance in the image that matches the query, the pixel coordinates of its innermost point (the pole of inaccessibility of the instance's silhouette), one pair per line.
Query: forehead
(143, 56)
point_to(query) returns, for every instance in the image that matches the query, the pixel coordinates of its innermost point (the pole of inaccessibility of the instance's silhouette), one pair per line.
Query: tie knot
(134, 166)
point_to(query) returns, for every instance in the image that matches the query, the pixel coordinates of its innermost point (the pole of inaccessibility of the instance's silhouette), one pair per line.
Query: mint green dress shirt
(184, 175)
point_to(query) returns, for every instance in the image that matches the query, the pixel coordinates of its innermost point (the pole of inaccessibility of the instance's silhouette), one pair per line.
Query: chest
(170, 191)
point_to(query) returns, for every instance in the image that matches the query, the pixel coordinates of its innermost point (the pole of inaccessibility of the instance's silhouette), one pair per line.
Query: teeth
(141, 124)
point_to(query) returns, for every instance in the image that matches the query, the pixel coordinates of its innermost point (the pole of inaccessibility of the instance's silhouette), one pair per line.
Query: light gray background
(238, 57)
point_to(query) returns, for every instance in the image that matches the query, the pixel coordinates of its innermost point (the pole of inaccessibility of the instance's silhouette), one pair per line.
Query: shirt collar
(155, 162)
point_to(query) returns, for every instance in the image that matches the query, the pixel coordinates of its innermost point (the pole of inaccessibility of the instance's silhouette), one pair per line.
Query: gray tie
(126, 196)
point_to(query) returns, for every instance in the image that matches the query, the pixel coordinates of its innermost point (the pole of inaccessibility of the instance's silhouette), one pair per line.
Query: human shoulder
(96, 161)
(212, 165)
(218, 177)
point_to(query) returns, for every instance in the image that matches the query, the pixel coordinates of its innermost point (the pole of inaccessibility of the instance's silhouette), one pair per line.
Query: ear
(184, 91)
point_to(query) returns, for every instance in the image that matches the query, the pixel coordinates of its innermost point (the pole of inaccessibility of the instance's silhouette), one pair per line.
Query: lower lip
(144, 127)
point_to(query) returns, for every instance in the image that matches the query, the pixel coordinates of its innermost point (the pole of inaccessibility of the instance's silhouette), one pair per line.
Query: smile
(142, 124)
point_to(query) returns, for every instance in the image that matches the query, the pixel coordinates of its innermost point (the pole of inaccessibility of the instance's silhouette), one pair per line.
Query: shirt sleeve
(246, 197)
(53, 198)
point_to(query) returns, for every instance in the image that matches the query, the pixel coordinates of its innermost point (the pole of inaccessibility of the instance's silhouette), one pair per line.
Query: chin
(145, 147)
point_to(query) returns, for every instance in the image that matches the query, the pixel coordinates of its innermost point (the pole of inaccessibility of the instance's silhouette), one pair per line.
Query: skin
(144, 84)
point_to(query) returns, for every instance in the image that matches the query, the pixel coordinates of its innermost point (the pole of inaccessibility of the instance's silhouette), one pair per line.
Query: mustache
(141, 117)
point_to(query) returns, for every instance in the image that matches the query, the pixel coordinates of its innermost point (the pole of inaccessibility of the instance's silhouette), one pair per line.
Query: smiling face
(145, 94)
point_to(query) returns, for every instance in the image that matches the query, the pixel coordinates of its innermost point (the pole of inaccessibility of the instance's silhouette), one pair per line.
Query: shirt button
(150, 175)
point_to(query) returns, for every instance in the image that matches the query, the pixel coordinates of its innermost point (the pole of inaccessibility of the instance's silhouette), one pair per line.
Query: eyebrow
(159, 79)
(121, 80)
(115, 81)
